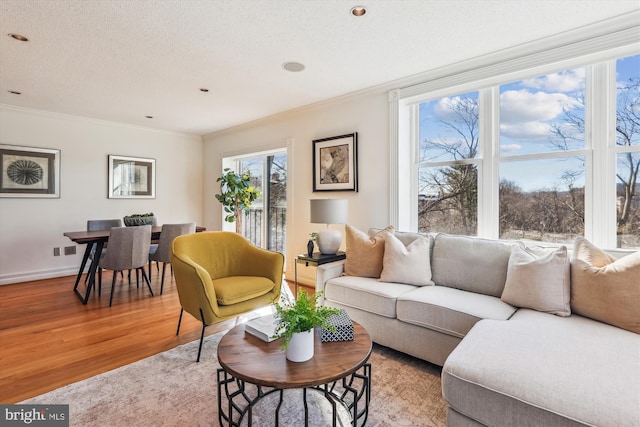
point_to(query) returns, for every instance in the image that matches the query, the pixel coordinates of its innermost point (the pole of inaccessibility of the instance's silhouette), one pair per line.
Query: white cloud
(530, 131)
(510, 148)
(446, 107)
(564, 81)
(526, 115)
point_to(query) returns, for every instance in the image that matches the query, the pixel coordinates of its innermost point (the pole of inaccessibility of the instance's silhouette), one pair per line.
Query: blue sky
(528, 109)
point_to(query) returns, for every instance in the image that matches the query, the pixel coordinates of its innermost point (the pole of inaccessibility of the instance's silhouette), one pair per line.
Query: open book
(262, 327)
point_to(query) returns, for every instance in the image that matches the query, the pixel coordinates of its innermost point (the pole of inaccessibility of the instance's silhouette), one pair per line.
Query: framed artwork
(29, 172)
(335, 163)
(132, 178)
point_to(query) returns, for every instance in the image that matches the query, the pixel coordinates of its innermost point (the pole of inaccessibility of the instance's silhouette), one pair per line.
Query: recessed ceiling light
(294, 67)
(14, 92)
(149, 117)
(204, 89)
(358, 10)
(18, 37)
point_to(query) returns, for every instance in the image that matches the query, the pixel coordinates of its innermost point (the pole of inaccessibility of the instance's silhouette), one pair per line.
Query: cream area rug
(171, 389)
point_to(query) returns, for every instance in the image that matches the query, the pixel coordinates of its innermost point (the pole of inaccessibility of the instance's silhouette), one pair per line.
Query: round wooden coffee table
(252, 369)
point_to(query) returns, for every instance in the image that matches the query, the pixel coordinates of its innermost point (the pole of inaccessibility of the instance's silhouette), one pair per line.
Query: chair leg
(179, 320)
(100, 281)
(149, 269)
(146, 279)
(201, 335)
(113, 285)
(164, 267)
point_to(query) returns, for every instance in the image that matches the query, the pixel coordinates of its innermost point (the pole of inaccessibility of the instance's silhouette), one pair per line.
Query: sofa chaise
(498, 318)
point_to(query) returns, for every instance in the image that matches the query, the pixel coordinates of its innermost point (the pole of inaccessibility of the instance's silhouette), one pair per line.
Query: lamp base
(329, 241)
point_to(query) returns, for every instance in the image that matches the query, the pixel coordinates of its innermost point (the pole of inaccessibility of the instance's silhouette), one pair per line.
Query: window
(541, 187)
(546, 157)
(448, 169)
(265, 225)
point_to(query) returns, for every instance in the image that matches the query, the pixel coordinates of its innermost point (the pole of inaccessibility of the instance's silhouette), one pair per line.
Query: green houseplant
(296, 322)
(236, 195)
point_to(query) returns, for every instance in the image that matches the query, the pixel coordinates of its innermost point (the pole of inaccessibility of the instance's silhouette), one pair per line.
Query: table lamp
(329, 211)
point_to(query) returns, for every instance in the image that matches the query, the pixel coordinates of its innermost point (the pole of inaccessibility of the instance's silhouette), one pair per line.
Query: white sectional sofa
(514, 357)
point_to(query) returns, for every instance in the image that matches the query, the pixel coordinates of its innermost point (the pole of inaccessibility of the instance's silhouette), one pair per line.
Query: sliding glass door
(265, 226)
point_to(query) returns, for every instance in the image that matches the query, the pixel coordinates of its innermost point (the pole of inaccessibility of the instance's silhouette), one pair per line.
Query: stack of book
(262, 327)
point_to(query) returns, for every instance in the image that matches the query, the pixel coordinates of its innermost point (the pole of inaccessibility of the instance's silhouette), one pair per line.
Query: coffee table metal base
(353, 392)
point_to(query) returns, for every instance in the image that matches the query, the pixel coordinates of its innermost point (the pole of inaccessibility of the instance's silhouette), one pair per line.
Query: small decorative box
(343, 325)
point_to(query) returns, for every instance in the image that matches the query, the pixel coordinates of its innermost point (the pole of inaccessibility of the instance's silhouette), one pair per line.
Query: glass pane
(542, 199)
(252, 223)
(448, 200)
(543, 114)
(449, 128)
(628, 101)
(277, 224)
(628, 200)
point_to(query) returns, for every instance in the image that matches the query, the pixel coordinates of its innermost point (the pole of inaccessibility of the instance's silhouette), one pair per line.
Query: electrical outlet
(69, 250)
(56, 251)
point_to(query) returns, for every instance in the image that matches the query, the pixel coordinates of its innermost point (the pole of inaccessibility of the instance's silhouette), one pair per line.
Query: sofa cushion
(407, 264)
(448, 310)
(604, 288)
(540, 369)
(540, 281)
(364, 253)
(470, 263)
(365, 293)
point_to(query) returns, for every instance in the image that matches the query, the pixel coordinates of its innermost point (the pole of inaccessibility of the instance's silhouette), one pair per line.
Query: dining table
(97, 239)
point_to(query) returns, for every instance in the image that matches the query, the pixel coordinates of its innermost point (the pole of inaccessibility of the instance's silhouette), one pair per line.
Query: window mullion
(600, 193)
(488, 185)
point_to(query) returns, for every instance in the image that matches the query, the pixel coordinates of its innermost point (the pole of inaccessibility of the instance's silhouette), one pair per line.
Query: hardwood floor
(48, 339)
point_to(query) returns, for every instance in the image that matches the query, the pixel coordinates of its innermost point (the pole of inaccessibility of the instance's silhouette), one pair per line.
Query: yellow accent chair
(220, 275)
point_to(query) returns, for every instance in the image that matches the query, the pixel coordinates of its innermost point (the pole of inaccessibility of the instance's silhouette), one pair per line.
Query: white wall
(366, 114)
(31, 228)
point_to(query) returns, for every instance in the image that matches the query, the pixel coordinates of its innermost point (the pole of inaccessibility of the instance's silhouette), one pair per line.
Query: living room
(188, 162)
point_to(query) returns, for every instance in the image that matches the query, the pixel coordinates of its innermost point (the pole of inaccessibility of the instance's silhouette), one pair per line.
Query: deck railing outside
(275, 235)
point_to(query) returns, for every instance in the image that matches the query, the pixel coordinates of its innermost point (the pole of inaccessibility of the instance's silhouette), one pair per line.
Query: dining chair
(99, 225)
(128, 250)
(162, 251)
(221, 275)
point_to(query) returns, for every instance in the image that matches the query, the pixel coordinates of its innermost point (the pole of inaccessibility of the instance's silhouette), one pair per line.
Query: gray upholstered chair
(162, 251)
(99, 225)
(128, 250)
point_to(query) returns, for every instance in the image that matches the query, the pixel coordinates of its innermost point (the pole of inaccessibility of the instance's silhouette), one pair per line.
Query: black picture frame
(335, 163)
(131, 177)
(29, 172)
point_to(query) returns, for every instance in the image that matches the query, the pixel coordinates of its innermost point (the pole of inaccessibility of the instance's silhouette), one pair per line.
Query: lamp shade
(329, 211)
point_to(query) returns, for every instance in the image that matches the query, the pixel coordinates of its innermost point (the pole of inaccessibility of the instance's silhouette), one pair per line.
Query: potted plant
(236, 196)
(296, 322)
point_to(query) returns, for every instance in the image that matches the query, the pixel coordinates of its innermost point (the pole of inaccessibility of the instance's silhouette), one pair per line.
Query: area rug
(171, 389)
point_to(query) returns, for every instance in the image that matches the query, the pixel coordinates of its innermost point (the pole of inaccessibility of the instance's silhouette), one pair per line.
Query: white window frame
(597, 51)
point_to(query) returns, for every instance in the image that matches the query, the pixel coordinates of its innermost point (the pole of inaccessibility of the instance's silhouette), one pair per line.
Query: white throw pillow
(540, 282)
(410, 264)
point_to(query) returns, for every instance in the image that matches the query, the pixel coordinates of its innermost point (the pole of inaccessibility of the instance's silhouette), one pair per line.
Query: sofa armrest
(327, 272)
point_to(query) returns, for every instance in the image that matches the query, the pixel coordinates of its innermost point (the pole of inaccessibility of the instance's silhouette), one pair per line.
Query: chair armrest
(327, 272)
(195, 288)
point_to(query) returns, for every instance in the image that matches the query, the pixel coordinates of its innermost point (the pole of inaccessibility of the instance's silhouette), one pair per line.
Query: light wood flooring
(49, 339)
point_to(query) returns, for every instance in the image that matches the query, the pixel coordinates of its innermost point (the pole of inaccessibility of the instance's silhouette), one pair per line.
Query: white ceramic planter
(300, 347)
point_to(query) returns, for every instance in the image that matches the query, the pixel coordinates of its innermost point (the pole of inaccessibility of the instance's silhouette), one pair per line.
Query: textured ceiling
(121, 60)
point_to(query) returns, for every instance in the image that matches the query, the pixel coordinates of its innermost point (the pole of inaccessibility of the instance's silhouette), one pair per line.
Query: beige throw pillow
(410, 264)
(607, 292)
(364, 253)
(540, 282)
